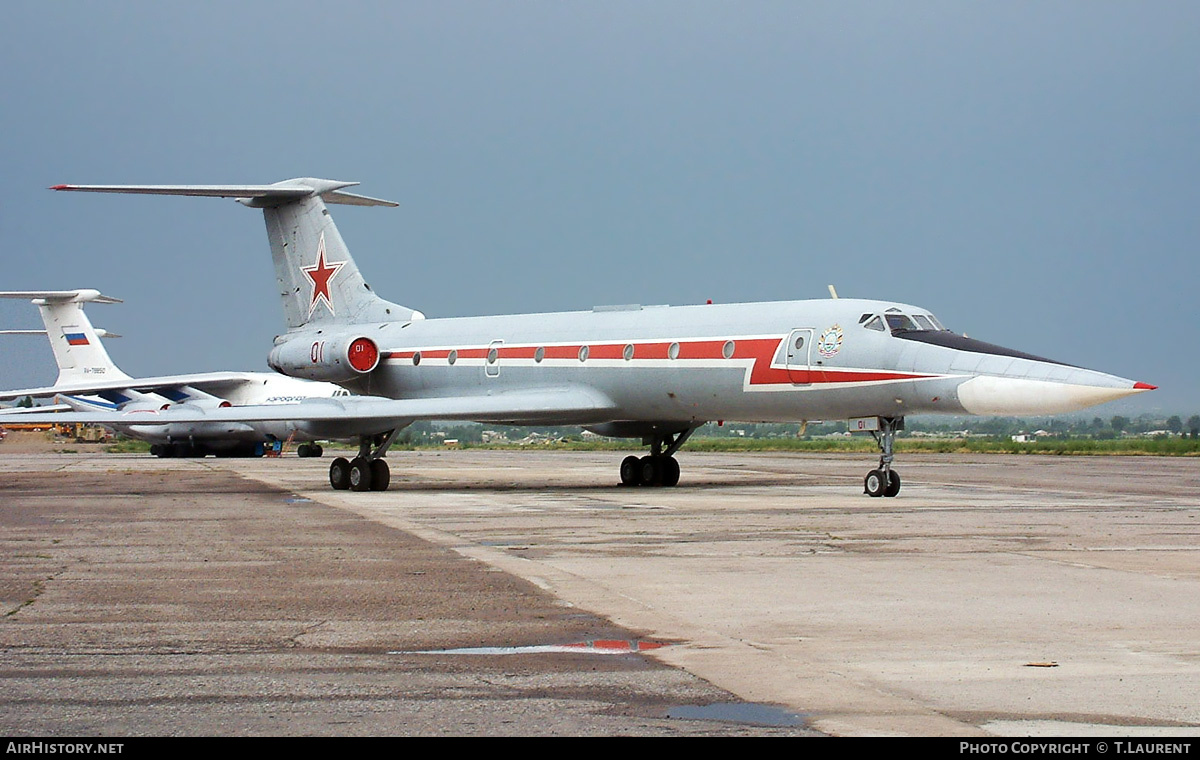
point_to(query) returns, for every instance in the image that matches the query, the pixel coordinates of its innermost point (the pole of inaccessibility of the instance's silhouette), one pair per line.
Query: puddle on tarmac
(738, 712)
(597, 646)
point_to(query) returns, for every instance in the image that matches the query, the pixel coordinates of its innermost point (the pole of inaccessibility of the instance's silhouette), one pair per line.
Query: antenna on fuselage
(832, 292)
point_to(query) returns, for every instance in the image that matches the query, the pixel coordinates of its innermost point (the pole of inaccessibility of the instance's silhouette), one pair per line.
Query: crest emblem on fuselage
(830, 341)
(320, 275)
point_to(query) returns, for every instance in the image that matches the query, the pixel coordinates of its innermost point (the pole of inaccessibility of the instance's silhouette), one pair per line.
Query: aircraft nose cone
(1080, 389)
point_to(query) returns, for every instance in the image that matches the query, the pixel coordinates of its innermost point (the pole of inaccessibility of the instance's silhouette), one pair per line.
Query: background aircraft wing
(210, 382)
(10, 411)
(354, 415)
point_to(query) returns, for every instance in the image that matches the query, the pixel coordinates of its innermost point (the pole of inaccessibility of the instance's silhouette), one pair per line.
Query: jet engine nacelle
(332, 358)
(200, 404)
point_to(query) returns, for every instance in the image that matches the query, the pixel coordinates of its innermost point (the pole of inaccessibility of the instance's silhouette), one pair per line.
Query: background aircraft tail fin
(318, 280)
(76, 344)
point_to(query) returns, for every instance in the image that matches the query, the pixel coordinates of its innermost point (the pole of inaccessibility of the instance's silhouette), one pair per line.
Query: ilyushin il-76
(89, 380)
(653, 373)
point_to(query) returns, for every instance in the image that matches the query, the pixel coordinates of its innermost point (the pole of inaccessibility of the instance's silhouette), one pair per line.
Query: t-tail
(76, 344)
(318, 280)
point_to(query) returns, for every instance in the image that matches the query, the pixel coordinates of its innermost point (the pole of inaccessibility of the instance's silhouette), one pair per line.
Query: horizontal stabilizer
(85, 295)
(100, 332)
(255, 195)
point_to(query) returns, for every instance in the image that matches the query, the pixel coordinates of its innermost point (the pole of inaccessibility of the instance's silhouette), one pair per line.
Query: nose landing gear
(884, 481)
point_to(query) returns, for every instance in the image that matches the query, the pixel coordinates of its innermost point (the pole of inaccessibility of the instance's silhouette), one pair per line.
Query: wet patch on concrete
(746, 713)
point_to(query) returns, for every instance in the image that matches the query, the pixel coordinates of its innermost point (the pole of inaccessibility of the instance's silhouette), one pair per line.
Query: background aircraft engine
(333, 359)
(203, 404)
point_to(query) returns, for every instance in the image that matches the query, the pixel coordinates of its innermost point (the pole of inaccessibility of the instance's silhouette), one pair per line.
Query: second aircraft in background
(89, 380)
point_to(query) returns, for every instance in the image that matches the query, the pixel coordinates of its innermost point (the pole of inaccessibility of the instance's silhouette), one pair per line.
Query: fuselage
(771, 362)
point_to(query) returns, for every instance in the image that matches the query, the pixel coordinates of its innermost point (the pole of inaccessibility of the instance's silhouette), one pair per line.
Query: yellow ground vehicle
(84, 433)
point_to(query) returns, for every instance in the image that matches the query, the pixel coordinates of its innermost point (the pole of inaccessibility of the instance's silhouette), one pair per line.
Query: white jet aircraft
(655, 373)
(89, 380)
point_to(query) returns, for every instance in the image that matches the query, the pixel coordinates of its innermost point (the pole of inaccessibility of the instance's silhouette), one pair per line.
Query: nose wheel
(881, 483)
(884, 481)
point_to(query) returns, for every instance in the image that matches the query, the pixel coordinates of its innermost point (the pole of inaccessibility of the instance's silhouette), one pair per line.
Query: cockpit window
(900, 322)
(895, 321)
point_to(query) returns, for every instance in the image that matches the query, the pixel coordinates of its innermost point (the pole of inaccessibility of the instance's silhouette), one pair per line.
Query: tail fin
(76, 344)
(318, 280)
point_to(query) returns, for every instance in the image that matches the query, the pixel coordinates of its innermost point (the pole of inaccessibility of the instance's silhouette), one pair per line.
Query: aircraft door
(799, 349)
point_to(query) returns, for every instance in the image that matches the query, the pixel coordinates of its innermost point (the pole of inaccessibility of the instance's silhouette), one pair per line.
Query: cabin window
(727, 349)
(628, 352)
(452, 357)
(493, 355)
(864, 318)
(583, 353)
(799, 341)
(673, 351)
(416, 358)
(924, 322)
(875, 324)
(539, 355)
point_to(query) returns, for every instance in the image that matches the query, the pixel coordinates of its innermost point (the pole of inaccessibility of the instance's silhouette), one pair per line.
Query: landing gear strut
(367, 471)
(660, 468)
(884, 481)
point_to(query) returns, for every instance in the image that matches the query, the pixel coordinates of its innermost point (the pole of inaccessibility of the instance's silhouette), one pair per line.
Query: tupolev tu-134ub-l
(654, 373)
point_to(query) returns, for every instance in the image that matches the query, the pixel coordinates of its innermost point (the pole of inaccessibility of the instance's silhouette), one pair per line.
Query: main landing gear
(660, 468)
(367, 471)
(309, 450)
(884, 481)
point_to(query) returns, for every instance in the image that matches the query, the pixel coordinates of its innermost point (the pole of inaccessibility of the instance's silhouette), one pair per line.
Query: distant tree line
(432, 433)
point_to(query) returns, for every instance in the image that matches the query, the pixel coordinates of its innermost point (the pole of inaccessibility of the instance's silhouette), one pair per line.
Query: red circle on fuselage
(363, 355)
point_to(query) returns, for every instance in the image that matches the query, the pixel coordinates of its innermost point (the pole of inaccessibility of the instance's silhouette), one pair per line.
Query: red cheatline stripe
(761, 350)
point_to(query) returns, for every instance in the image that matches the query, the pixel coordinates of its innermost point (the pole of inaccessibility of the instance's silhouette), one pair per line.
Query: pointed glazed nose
(1072, 390)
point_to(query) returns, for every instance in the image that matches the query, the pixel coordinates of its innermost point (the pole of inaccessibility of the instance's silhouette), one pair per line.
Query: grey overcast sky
(1029, 171)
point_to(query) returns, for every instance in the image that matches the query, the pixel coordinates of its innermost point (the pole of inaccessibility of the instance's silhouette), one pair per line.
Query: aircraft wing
(18, 410)
(211, 382)
(354, 415)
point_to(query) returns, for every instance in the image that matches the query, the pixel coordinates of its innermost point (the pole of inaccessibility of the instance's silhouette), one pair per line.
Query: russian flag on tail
(75, 338)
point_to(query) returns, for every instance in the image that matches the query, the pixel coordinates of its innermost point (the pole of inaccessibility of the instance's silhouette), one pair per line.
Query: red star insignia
(321, 274)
